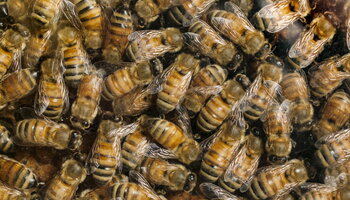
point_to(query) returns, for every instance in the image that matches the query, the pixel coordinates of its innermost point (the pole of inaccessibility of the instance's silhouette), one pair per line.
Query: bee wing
(155, 151)
(182, 119)
(123, 130)
(68, 10)
(157, 84)
(348, 33)
(195, 40)
(213, 191)
(206, 91)
(310, 187)
(335, 137)
(41, 99)
(229, 6)
(139, 179)
(137, 35)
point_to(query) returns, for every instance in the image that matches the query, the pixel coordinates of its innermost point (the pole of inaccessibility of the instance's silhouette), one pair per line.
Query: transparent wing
(182, 119)
(157, 84)
(155, 151)
(335, 137)
(317, 187)
(208, 90)
(348, 33)
(221, 23)
(229, 6)
(137, 35)
(139, 179)
(124, 130)
(194, 40)
(213, 191)
(68, 10)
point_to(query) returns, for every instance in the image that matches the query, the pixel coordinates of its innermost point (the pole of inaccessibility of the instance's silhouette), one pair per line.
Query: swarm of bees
(152, 99)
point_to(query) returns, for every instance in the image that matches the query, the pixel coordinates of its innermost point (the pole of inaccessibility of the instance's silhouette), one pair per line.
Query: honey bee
(14, 9)
(311, 42)
(85, 107)
(214, 192)
(8, 193)
(271, 69)
(66, 182)
(277, 179)
(172, 137)
(37, 132)
(277, 126)
(52, 95)
(17, 85)
(218, 107)
(278, 15)
(295, 89)
(333, 148)
(245, 5)
(338, 174)
(120, 28)
(74, 56)
(221, 150)
(149, 10)
(6, 143)
(177, 80)
(45, 13)
(105, 152)
(211, 44)
(187, 11)
(211, 75)
(316, 191)
(149, 44)
(334, 116)
(16, 174)
(235, 26)
(329, 75)
(125, 79)
(243, 166)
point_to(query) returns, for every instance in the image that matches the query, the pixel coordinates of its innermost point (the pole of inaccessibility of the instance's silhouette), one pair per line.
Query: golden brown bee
(316, 191)
(311, 42)
(85, 107)
(105, 152)
(16, 85)
(235, 26)
(75, 60)
(206, 40)
(37, 132)
(243, 166)
(221, 150)
(45, 13)
(218, 107)
(6, 143)
(125, 79)
(329, 75)
(277, 179)
(52, 95)
(295, 89)
(176, 82)
(333, 148)
(338, 174)
(278, 15)
(8, 193)
(172, 137)
(211, 75)
(214, 192)
(245, 5)
(13, 8)
(149, 10)
(271, 69)
(334, 116)
(66, 182)
(16, 174)
(149, 44)
(121, 26)
(187, 11)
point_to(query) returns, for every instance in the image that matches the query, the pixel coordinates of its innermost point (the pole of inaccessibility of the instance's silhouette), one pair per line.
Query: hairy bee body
(6, 143)
(66, 182)
(124, 80)
(16, 174)
(7, 193)
(243, 165)
(221, 151)
(16, 85)
(277, 179)
(37, 46)
(85, 107)
(45, 13)
(37, 132)
(334, 115)
(245, 5)
(131, 191)
(176, 83)
(172, 137)
(211, 75)
(149, 10)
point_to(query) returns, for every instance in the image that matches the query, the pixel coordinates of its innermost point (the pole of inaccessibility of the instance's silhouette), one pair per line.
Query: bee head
(190, 182)
(280, 146)
(144, 9)
(75, 140)
(243, 80)
(79, 123)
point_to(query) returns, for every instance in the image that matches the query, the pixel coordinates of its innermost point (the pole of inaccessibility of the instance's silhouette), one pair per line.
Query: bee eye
(85, 124)
(74, 119)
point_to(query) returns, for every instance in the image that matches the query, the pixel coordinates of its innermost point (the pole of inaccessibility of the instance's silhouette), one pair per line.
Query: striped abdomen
(294, 87)
(331, 153)
(7, 193)
(130, 191)
(121, 27)
(325, 79)
(90, 14)
(45, 11)
(118, 84)
(6, 143)
(37, 46)
(318, 195)
(6, 57)
(133, 148)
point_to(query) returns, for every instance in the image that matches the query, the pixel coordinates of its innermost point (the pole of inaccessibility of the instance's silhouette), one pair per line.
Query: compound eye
(85, 124)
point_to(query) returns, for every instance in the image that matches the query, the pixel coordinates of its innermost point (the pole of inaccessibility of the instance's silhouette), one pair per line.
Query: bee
(277, 126)
(8, 193)
(38, 132)
(45, 13)
(218, 107)
(333, 148)
(221, 150)
(334, 116)
(187, 11)
(211, 75)
(311, 42)
(52, 95)
(14, 9)
(85, 107)
(6, 143)
(149, 44)
(66, 182)
(120, 28)
(278, 15)
(125, 79)
(74, 56)
(16, 174)
(149, 10)
(172, 137)
(17, 85)
(105, 152)
(245, 5)
(243, 166)
(235, 26)
(176, 83)
(214, 192)
(211, 44)
(295, 89)
(338, 174)
(316, 191)
(329, 75)
(271, 69)
(277, 179)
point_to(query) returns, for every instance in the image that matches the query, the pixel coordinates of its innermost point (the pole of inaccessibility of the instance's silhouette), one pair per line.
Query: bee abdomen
(89, 14)
(230, 185)
(121, 27)
(5, 60)
(178, 14)
(258, 106)
(6, 144)
(256, 190)
(118, 84)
